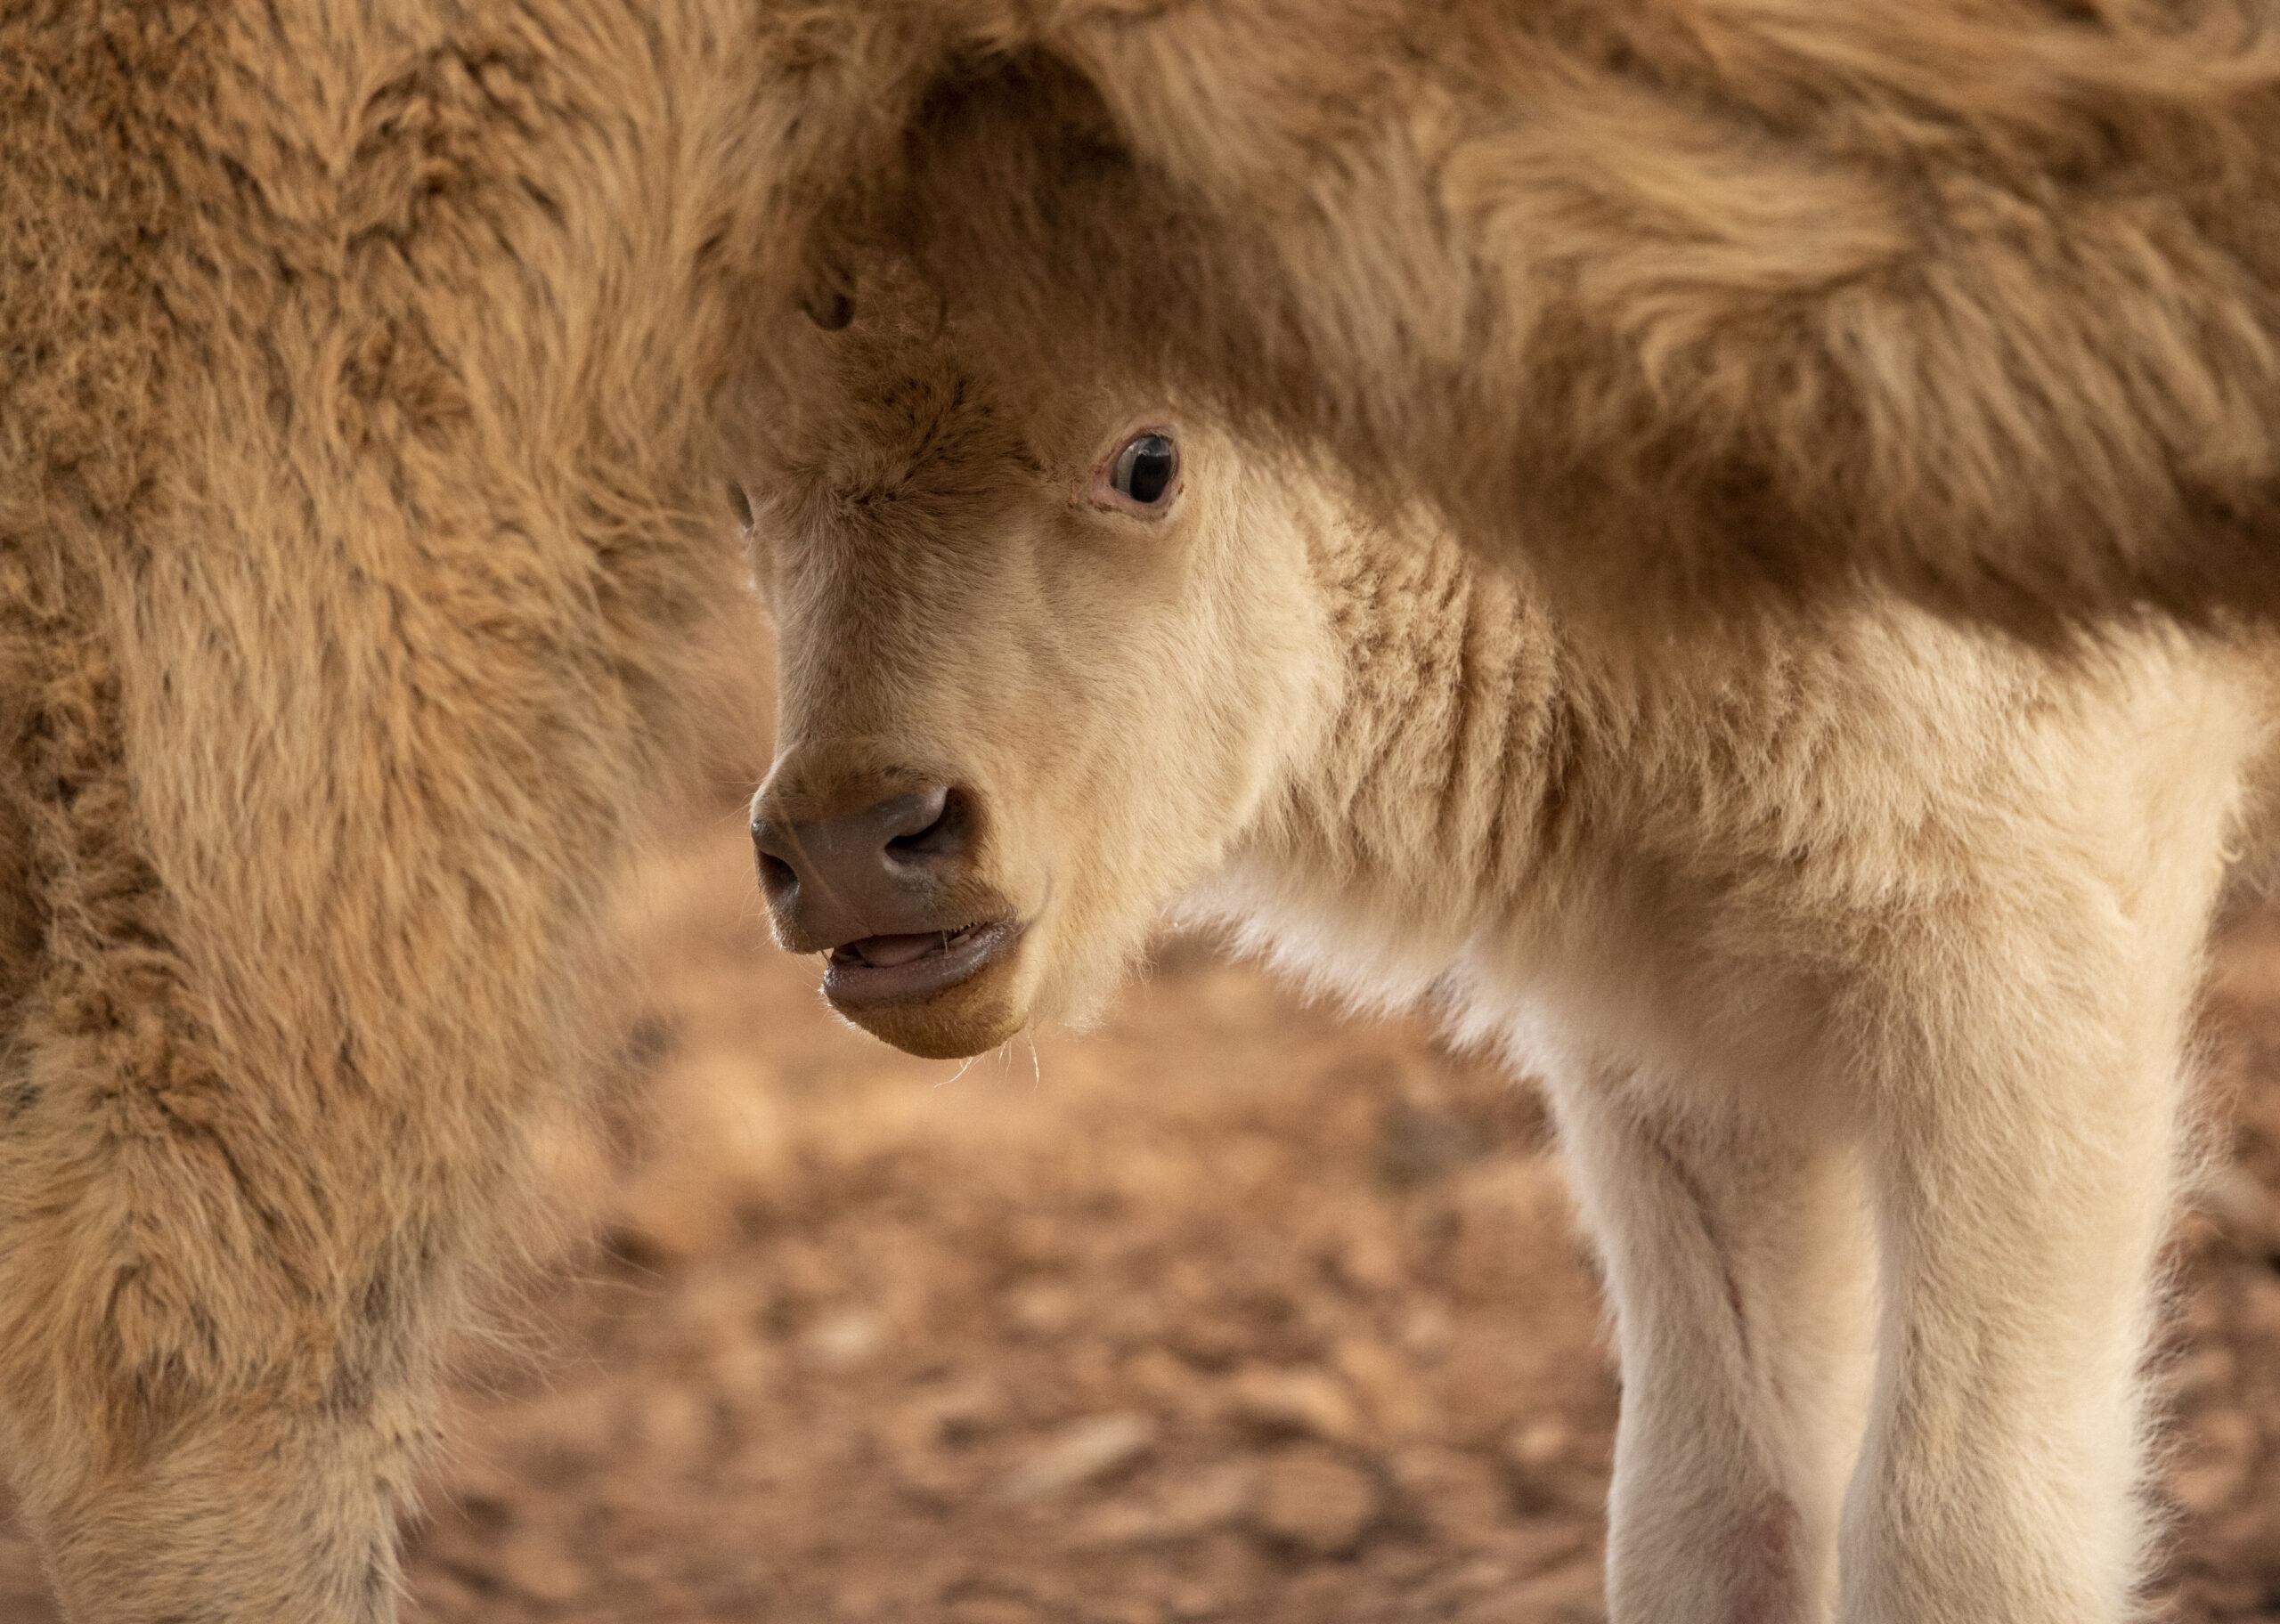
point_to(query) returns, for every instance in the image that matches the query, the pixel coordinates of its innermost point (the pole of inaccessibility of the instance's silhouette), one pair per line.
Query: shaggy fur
(364, 371)
(1857, 948)
(359, 512)
(1688, 299)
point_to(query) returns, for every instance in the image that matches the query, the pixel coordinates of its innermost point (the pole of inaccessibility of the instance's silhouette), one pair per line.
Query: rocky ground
(1234, 1311)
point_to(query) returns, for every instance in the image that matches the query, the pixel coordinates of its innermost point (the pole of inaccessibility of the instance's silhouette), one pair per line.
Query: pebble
(1550, 1470)
(1195, 1504)
(1312, 1497)
(1537, 1446)
(1083, 1452)
(2248, 1212)
(844, 1341)
(1304, 1403)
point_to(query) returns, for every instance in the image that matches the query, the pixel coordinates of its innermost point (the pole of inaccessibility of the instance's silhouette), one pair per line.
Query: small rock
(2248, 1211)
(1427, 1331)
(1210, 1498)
(661, 1224)
(1550, 1470)
(1369, 1261)
(1317, 1500)
(1303, 1402)
(1539, 1445)
(1083, 1452)
(1043, 1309)
(680, 1425)
(2205, 1374)
(845, 1340)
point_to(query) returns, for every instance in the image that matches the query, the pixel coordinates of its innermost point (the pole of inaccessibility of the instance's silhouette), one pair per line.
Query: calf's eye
(1144, 471)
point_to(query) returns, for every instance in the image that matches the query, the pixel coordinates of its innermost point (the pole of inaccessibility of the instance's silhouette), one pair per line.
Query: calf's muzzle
(880, 869)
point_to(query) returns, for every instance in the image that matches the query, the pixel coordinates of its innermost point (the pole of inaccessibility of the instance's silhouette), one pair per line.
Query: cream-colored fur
(1856, 949)
(368, 369)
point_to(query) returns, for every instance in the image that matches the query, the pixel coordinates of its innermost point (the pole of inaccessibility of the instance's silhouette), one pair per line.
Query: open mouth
(881, 970)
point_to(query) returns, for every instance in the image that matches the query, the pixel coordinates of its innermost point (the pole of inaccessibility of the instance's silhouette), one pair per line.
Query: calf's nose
(843, 875)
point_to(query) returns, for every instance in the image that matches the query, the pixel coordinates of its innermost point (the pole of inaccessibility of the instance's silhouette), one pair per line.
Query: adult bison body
(1857, 948)
(1687, 304)
(369, 371)
(357, 519)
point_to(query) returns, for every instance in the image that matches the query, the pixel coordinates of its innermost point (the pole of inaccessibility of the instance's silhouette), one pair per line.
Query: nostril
(776, 874)
(775, 871)
(944, 834)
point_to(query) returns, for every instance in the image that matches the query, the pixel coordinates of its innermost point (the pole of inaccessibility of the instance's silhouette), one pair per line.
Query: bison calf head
(1043, 655)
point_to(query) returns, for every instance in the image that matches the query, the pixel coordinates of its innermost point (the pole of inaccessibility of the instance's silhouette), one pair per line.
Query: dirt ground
(1234, 1311)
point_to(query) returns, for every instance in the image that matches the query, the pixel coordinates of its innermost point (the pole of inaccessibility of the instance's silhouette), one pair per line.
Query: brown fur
(1693, 300)
(359, 512)
(361, 372)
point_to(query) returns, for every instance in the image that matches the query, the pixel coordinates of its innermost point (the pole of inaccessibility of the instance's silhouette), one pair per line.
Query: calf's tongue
(881, 951)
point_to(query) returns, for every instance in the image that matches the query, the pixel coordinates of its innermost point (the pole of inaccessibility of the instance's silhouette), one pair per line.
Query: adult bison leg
(213, 1350)
(220, 1296)
(253, 1507)
(1738, 1259)
(251, 1151)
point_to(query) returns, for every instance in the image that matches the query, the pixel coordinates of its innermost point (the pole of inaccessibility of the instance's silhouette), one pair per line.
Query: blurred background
(1235, 1310)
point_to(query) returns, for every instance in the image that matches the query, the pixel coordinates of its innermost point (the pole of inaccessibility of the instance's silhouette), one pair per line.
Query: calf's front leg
(1736, 1256)
(2023, 1171)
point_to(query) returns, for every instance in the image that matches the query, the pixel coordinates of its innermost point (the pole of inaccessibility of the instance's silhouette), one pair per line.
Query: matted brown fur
(357, 525)
(1695, 298)
(361, 372)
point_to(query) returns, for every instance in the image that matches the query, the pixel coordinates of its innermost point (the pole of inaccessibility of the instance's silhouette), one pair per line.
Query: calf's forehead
(878, 406)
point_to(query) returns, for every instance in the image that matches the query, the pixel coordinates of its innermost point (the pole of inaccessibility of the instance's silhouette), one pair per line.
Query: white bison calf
(1857, 951)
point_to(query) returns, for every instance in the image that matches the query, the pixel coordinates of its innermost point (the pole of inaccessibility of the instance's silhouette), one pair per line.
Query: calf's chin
(972, 1018)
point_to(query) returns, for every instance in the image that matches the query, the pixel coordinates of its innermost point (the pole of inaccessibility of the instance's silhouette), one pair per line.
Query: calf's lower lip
(882, 970)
